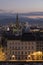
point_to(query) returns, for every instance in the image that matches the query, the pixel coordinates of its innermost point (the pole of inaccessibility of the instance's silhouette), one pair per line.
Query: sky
(21, 6)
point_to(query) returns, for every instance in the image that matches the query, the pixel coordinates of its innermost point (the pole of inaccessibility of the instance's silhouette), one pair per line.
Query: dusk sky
(21, 6)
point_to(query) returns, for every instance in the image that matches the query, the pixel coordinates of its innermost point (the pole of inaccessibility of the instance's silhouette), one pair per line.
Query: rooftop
(30, 36)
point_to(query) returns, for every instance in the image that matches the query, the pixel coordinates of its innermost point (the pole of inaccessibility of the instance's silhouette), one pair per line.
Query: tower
(17, 21)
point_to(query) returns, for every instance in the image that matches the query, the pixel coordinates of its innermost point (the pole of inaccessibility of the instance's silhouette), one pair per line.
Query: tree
(2, 54)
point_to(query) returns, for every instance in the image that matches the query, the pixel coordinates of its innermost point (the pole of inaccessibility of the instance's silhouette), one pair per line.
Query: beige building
(19, 47)
(20, 50)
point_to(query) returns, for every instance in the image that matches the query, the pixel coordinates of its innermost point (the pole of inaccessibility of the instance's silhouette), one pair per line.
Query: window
(12, 48)
(15, 43)
(21, 47)
(18, 58)
(25, 52)
(22, 43)
(15, 52)
(28, 43)
(25, 43)
(25, 57)
(10, 58)
(32, 47)
(32, 43)
(10, 51)
(21, 52)
(18, 48)
(15, 47)
(25, 47)
(18, 43)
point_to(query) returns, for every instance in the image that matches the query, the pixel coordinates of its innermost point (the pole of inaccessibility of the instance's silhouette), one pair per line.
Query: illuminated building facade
(19, 47)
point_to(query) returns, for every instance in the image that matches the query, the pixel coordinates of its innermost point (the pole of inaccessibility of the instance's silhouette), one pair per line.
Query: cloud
(33, 14)
(2, 11)
(6, 11)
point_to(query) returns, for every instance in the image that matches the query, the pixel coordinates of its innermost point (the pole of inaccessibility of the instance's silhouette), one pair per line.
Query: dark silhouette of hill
(21, 19)
(6, 18)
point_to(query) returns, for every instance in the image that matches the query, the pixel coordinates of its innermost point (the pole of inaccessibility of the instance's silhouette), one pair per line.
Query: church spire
(17, 21)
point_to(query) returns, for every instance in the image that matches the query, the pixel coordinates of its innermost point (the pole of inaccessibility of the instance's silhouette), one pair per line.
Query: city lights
(2, 55)
(21, 42)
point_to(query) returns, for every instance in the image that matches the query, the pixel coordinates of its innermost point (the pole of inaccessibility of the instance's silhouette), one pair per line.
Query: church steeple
(17, 21)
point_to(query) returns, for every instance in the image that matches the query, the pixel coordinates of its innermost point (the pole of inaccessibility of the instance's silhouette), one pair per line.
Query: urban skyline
(21, 31)
(21, 42)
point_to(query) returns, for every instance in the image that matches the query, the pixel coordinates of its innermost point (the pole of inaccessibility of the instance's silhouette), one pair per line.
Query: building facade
(20, 44)
(20, 49)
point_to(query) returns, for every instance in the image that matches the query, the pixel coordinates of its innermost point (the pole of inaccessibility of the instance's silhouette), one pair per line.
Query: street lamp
(37, 55)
